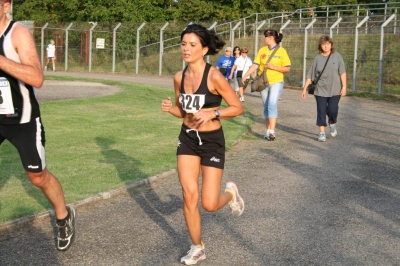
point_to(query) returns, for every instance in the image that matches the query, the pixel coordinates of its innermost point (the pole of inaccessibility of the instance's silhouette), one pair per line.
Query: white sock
(272, 131)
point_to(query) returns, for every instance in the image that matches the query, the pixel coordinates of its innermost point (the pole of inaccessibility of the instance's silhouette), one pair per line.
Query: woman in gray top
(330, 87)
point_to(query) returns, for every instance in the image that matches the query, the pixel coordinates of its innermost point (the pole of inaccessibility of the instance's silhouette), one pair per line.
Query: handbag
(313, 85)
(223, 71)
(239, 73)
(260, 82)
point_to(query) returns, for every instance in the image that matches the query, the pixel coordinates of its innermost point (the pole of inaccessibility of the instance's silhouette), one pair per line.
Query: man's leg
(52, 189)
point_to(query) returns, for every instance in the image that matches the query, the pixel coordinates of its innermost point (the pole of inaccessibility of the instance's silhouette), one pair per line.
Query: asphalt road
(307, 203)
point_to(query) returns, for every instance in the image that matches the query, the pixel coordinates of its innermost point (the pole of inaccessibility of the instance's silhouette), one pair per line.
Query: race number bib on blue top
(6, 103)
(191, 103)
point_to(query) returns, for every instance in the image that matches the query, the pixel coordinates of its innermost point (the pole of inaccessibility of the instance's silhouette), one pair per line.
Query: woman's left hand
(202, 117)
(343, 92)
(270, 66)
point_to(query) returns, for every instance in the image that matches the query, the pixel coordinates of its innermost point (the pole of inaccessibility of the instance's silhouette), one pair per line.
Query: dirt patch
(54, 90)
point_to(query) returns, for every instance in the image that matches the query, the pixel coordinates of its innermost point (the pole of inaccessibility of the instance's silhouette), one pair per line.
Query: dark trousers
(327, 106)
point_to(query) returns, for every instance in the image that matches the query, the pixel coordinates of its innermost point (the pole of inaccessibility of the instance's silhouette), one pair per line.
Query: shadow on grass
(18, 172)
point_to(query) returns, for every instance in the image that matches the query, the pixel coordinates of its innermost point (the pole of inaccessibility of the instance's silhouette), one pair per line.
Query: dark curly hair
(208, 38)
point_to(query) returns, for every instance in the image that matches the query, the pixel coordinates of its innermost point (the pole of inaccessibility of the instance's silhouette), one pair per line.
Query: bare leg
(271, 124)
(188, 171)
(54, 63)
(241, 92)
(211, 197)
(52, 189)
(321, 129)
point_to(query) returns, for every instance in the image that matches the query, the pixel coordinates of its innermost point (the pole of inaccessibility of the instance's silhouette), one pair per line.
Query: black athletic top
(210, 100)
(24, 103)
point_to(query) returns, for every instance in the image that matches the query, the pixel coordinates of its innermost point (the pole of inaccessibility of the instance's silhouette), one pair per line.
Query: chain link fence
(366, 36)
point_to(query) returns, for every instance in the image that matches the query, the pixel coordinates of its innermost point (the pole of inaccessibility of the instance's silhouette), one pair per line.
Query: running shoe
(322, 137)
(333, 130)
(45, 68)
(272, 136)
(237, 203)
(66, 232)
(195, 254)
(242, 99)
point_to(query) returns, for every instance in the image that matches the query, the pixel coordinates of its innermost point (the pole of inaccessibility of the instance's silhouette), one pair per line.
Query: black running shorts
(29, 140)
(212, 148)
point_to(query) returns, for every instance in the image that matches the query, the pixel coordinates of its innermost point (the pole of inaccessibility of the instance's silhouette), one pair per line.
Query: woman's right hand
(166, 104)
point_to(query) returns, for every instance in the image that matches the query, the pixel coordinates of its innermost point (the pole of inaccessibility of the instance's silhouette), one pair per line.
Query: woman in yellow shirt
(278, 65)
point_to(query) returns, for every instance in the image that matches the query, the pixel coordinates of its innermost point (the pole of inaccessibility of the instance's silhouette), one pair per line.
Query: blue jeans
(270, 98)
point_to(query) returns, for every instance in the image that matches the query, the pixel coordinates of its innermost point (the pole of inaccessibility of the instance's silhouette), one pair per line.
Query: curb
(9, 226)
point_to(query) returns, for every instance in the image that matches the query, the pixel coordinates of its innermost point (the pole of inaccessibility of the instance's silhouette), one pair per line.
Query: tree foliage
(42, 11)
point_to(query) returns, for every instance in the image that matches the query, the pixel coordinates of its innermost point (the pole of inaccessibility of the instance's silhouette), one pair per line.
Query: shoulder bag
(239, 73)
(313, 85)
(260, 82)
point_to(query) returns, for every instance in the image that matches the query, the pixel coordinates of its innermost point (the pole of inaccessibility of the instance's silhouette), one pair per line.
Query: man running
(20, 123)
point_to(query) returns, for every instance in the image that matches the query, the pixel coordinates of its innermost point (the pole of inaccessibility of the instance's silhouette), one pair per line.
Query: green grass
(373, 96)
(100, 143)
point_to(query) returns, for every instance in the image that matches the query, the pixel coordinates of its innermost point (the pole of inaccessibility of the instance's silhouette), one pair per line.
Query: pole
(114, 44)
(90, 45)
(66, 46)
(137, 46)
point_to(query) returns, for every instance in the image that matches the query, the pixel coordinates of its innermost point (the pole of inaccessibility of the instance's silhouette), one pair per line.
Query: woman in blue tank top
(199, 89)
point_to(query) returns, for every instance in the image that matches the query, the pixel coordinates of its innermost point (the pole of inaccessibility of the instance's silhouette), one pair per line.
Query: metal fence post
(161, 48)
(137, 46)
(256, 36)
(233, 33)
(282, 28)
(42, 43)
(114, 45)
(381, 52)
(355, 53)
(305, 48)
(66, 46)
(207, 57)
(90, 45)
(333, 26)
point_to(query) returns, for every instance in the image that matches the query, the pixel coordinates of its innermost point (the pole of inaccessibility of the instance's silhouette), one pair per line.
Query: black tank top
(25, 105)
(211, 100)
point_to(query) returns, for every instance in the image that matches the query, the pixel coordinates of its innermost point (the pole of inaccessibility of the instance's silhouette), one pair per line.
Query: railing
(369, 48)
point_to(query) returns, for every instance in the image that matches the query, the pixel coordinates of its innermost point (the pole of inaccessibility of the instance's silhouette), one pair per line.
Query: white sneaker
(237, 203)
(195, 254)
(45, 68)
(242, 99)
(333, 130)
(322, 137)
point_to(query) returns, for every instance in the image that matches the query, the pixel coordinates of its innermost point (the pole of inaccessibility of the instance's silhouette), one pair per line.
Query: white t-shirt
(243, 64)
(51, 49)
